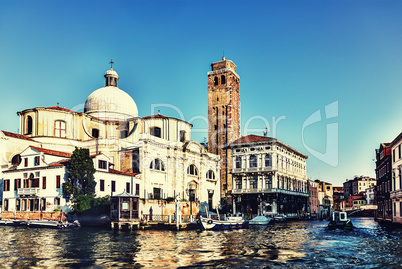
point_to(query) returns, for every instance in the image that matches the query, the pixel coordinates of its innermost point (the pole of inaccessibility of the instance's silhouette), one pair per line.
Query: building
(35, 183)
(358, 185)
(396, 190)
(325, 198)
(338, 198)
(313, 202)
(383, 173)
(157, 147)
(269, 177)
(223, 117)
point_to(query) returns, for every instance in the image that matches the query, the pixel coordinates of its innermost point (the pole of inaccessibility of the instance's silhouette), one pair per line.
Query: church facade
(157, 149)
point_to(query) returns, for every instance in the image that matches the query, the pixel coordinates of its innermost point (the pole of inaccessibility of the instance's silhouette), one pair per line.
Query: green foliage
(90, 205)
(81, 171)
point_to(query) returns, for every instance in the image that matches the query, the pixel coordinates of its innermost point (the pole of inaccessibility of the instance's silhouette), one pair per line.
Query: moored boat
(12, 222)
(229, 224)
(260, 220)
(340, 221)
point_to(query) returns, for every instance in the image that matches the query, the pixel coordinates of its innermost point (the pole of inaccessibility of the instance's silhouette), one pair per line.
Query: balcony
(396, 194)
(252, 169)
(29, 192)
(273, 190)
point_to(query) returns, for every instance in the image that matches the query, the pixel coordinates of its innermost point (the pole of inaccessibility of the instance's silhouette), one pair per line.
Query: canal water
(298, 244)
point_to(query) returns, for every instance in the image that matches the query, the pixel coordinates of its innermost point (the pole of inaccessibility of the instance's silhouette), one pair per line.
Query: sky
(322, 76)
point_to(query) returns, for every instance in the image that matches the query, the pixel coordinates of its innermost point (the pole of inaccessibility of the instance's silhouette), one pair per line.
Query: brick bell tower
(223, 116)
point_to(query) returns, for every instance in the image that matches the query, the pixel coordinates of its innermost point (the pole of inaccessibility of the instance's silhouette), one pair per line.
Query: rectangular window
(102, 185)
(102, 164)
(60, 128)
(6, 185)
(156, 131)
(393, 155)
(113, 186)
(26, 162)
(399, 151)
(137, 189)
(35, 183)
(17, 184)
(182, 136)
(157, 193)
(36, 160)
(395, 209)
(128, 187)
(26, 183)
(43, 182)
(57, 182)
(238, 184)
(400, 209)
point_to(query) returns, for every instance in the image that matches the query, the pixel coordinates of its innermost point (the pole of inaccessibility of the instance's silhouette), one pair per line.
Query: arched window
(216, 81)
(155, 131)
(223, 79)
(210, 174)
(253, 161)
(268, 161)
(16, 160)
(123, 128)
(29, 126)
(59, 128)
(182, 136)
(192, 170)
(238, 162)
(157, 164)
(95, 133)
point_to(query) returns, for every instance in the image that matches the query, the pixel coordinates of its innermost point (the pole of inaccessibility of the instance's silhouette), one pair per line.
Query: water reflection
(282, 245)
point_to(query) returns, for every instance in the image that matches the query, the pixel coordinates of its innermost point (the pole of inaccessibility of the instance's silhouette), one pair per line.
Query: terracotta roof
(53, 152)
(159, 116)
(60, 163)
(19, 136)
(60, 108)
(252, 138)
(113, 171)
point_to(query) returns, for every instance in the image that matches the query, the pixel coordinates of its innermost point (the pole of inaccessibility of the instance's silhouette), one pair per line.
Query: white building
(35, 184)
(156, 147)
(396, 192)
(269, 177)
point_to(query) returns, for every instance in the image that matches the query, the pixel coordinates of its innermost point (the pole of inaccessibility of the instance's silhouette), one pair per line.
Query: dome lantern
(110, 102)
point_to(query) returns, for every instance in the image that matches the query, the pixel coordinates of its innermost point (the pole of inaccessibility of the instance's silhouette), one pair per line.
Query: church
(151, 157)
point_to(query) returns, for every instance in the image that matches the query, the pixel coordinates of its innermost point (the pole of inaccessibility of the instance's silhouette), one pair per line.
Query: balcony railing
(29, 191)
(271, 190)
(396, 194)
(253, 169)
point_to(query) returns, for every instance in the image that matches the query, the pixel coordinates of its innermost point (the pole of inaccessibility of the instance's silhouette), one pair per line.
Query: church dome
(109, 102)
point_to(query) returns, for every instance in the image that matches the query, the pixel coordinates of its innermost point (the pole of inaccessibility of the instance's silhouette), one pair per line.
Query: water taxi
(340, 221)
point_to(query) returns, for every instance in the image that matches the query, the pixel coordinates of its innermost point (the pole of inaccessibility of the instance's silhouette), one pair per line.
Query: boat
(230, 223)
(279, 218)
(260, 220)
(12, 222)
(52, 224)
(340, 221)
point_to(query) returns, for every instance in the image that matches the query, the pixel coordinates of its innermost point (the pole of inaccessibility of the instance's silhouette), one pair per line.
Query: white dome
(111, 103)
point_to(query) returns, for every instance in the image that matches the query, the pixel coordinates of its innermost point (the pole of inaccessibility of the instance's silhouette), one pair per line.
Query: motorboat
(340, 221)
(12, 222)
(279, 218)
(260, 220)
(229, 223)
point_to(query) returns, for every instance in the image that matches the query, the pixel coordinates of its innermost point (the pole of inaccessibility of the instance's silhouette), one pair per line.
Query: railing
(29, 191)
(272, 190)
(167, 218)
(396, 194)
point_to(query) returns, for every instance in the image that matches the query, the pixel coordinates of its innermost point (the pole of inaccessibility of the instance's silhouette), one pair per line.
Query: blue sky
(294, 58)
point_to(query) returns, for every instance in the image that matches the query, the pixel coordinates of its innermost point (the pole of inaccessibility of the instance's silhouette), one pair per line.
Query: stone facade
(223, 116)
(269, 177)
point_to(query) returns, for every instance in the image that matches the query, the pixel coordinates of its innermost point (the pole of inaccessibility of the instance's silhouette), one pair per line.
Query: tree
(81, 171)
